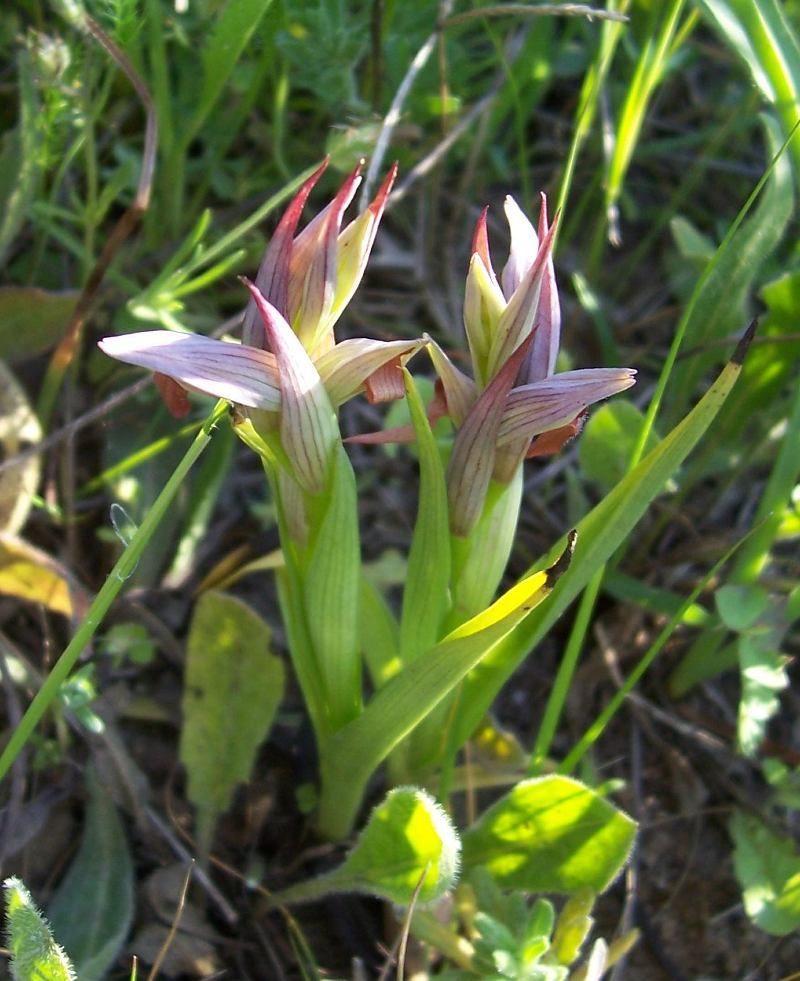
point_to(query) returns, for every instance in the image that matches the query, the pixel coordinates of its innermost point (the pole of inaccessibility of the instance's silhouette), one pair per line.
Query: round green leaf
(408, 839)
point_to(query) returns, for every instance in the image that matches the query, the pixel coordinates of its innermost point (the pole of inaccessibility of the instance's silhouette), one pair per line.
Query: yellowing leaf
(232, 689)
(550, 834)
(409, 844)
(30, 574)
(19, 428)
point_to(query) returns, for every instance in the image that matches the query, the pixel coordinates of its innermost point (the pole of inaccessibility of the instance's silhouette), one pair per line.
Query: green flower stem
(117, 578)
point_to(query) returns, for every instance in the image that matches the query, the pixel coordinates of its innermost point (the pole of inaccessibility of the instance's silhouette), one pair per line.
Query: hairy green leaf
(409, 843)
(35, 956)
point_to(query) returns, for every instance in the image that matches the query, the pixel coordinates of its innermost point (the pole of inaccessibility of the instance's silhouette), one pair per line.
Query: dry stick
(420, 59)
(58, 436)
(216, 896)
(92, 415)
(393, 115)
(548, 9)
(173, 929)
(65, 352)
(426, 165)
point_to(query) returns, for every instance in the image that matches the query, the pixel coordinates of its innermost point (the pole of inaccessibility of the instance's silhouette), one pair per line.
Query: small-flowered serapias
(289, 362)
(514, 406)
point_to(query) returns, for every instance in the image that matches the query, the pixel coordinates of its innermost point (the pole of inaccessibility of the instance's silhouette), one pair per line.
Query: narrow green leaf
(650, 69)
(628, 589)
(480, 561)
(762, 36)
(720, 304)
(35, 956)
(425, 596)
(232, 32)
(768, 869)
(232, 690)
(19, 158)
(600, 533)
(353, 753)
(331, 591)
(92, 909)
(550, 834)
(409, 843)
(380, 635)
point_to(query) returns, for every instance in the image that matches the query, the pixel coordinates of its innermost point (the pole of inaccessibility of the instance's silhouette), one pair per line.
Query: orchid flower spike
(310, 278)
(513, 330)
(303, 285)
(514, 406)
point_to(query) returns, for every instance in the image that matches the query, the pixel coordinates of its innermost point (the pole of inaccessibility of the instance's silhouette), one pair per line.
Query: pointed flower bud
(311, 277)
(499, 315)
(513, 328)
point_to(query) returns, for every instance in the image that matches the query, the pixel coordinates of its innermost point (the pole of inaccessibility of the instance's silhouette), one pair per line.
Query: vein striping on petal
(241, 374)
(545, 405)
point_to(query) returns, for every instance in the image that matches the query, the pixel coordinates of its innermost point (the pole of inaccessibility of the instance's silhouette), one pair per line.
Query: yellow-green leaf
(409, 844)
(232, 689)
(551, 834)
(34, 952)
(19, 428)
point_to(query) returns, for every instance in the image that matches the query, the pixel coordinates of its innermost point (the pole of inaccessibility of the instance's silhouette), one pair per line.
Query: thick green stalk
(124, 568)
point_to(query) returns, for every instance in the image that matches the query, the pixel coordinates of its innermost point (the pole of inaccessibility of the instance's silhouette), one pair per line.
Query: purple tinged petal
(541, 360)
(355, 244)
(309, 431)
(480, 245)
(519, 316)
(483, 307)
(272, 278)
(523, 250)
(345, 368)
(387, 383)
(243, 375)
(472, 460)
(312, 278)
(460, 391)
(556, 401)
